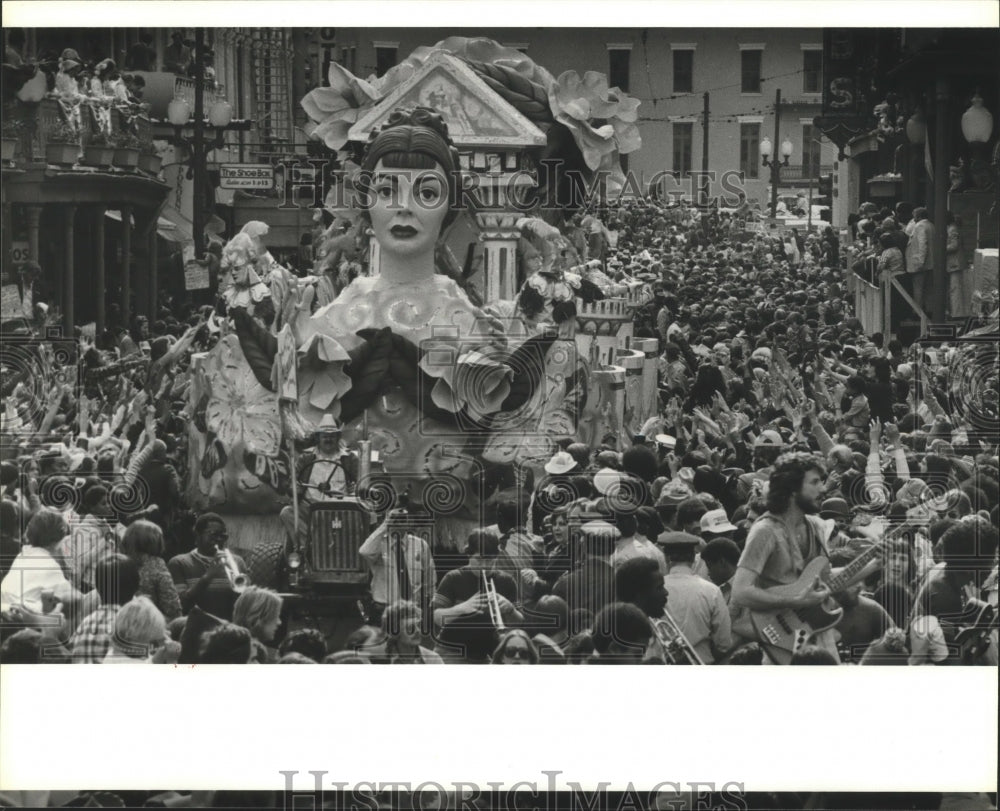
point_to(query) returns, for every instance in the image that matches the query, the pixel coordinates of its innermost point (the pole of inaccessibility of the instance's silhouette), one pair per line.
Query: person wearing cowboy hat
(555, 490)
(328, 472)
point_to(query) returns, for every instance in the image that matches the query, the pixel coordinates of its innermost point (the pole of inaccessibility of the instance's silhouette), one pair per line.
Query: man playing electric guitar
(782, 544)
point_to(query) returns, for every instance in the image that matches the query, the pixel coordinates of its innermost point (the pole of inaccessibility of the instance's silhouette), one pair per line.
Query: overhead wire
(674, 96)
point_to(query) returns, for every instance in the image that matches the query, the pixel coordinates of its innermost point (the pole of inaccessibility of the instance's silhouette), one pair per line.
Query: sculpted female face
(408, 208)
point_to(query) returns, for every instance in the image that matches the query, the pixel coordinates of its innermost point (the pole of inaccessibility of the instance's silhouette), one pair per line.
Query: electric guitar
(784, 632)
(973, 639)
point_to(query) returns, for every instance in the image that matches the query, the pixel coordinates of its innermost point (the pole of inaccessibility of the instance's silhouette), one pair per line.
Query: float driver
(328, 472)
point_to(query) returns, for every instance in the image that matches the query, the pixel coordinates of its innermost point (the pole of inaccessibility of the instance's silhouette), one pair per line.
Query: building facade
(670, 71)
(128, 232)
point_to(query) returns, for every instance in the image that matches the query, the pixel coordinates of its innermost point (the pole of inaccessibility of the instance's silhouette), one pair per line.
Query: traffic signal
(825, 196)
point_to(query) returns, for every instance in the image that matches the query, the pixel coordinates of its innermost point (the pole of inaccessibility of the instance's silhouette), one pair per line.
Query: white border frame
(345, 713)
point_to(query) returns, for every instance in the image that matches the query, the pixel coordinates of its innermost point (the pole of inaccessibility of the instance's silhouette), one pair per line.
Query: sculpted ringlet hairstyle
(412, 139)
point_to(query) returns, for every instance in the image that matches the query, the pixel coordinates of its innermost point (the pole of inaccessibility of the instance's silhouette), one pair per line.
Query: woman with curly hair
(143, 543)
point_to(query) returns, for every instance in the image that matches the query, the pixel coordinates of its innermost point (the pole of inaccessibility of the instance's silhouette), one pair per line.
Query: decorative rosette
(336, 108)
(556, 286)
(601, 119)
(472, 381)
(321, 377)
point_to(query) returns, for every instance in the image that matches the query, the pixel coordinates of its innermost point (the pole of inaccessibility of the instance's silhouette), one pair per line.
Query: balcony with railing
(37, 126)
(804, 172)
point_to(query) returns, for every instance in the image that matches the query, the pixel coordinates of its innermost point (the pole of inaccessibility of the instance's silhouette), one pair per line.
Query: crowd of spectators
(766, 378)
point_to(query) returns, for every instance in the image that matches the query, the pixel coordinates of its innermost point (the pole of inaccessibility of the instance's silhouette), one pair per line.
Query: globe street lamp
(767, 150)
(977, 127)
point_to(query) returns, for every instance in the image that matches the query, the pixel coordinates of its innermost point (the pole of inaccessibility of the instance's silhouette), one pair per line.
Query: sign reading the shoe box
(246, 176)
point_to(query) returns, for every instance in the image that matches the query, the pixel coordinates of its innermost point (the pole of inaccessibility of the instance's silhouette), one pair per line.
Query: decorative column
(499, 235)
(126, 266)
(34, 221)
(5, 235)
(650, 375)
(100, 275)
(632, 416)
(69, 320)
(153, 278)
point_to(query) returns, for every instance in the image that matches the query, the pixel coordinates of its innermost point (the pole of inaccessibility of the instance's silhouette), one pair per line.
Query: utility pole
(809, 209)
(704, 153)
(775, 168)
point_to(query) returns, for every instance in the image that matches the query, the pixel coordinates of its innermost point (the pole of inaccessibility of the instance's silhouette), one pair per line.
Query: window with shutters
(812, 71)
(750, 150)
(683, 136)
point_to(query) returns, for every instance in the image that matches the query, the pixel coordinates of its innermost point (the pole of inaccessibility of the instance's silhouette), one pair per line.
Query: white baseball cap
(716, 521)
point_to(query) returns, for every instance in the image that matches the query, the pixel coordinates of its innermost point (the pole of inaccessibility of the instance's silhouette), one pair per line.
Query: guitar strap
(815, 531)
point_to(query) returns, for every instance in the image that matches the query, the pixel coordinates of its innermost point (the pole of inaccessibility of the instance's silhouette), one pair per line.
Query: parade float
(447, 380)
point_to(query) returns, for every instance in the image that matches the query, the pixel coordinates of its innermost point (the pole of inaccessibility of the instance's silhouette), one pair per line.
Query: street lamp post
(767, 150)
(198, 144)
(208, 126)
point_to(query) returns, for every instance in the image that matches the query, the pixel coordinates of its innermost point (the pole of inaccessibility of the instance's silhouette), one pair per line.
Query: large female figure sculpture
(403, 359)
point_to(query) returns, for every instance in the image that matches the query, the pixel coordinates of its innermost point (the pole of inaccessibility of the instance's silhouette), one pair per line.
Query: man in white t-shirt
(35, 591)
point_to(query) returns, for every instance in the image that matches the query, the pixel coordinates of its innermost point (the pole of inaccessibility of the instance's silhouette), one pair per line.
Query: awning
(175, 227)
(112, 214)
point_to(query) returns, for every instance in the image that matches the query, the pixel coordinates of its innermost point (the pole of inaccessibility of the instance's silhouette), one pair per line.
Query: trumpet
(676, 646)
(237, 580)
(490, 590)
